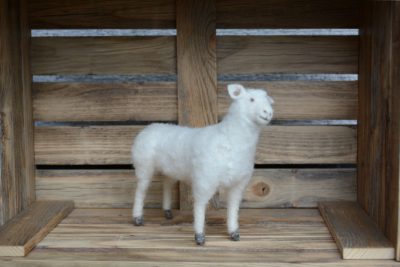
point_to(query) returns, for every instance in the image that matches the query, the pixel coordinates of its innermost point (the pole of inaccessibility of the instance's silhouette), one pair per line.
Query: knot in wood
(261, 189)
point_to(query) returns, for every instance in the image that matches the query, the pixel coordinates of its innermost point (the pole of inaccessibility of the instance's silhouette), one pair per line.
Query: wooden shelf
(356, 235)
(19, 235)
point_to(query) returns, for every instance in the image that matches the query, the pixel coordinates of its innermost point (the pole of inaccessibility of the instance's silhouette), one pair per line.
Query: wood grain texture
(270, 237)
(112, 144)
(197, 69)
(280, 14)
(27, 229)
(299, 100)
(158, 101)
(379, 130)
(103, 14)
(356, 235)
(97, 188)
(299, 188)
(287, 54)
(105, 102)
(104, 55)
(16, 139)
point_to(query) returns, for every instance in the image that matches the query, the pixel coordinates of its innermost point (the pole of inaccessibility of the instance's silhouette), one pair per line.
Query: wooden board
(287, 54)
(16, 139)
(300, 188)
(268, 188)
(270, 237)
(356, 235)
(97, 188)
(158, 101)
(105, 102)
(27, 229)
(303, 100)
(379, 130)
(291, 14)
(197, 69)
(112, 144)
(104, 55)
(103, 14)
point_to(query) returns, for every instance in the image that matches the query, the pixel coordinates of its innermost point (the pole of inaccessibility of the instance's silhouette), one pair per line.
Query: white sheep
(209, 158)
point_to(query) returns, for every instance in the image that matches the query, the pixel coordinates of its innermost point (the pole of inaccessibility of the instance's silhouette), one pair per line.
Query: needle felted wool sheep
(220, 155)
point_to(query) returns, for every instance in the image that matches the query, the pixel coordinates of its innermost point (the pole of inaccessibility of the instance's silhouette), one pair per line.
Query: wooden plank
(248, 14)
(287, 54)
(102, 14)
(317, 99)
(97, 188)
(105, 102)
(104, 55)
(300, 188)
(158, 101)
(379, 145)
(27, 229)
(356, 235)
(197, 69)
(16, 138)
(112, 144)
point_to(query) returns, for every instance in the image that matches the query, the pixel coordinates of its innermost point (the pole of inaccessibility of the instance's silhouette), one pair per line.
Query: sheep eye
(251, 99)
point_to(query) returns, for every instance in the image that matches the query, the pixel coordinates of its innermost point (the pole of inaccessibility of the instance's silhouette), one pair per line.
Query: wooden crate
(70, 107)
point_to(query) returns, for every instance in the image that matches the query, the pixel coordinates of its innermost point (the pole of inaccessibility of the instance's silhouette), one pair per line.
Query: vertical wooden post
(197, 68)
(17, 190)
(379, 114)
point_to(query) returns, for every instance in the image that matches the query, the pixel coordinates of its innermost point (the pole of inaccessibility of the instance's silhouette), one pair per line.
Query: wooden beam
(379, 115)
(27, 229)
(356, 235)
(16, 129)
(197, 68)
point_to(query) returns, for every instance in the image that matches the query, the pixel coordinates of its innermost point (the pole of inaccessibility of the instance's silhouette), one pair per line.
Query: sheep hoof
(235, 235)
(200, 239)
(138, 221)
(168, 214)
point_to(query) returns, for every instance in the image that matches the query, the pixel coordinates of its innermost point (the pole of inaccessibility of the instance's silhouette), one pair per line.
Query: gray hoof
(138, 221)
(200, 239)
(168, 214)
(235, 235)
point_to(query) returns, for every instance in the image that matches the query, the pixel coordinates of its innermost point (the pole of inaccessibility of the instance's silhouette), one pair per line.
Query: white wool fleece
(220, 155)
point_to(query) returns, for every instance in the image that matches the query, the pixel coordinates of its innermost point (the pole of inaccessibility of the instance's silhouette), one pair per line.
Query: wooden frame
(197, 98)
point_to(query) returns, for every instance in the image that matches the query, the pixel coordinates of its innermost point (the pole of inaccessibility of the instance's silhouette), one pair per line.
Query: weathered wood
(379, 110)
(300, 188)
(291, 14)
(105, 102)
(158, 101)
(104, 55)
(97, 188)
(103, 14)
(356, 235)
(268, 188)
(112, 144)
(16, 138)
(287, 54)
(19, 235)
(270, 237)
(297, 100)
(197, 69)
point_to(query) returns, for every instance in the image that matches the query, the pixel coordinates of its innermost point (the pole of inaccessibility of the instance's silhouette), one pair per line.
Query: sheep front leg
(234, 199)
(167, 198)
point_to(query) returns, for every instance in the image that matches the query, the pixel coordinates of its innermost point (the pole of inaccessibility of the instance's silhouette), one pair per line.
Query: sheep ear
(236, 91)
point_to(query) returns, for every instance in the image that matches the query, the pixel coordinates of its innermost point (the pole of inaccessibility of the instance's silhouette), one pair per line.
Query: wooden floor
(106, 237)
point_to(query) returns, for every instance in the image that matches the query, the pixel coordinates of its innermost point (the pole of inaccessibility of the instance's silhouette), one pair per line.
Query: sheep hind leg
(199, 210)
(167, 198)
(234, 199)
(144, 177)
